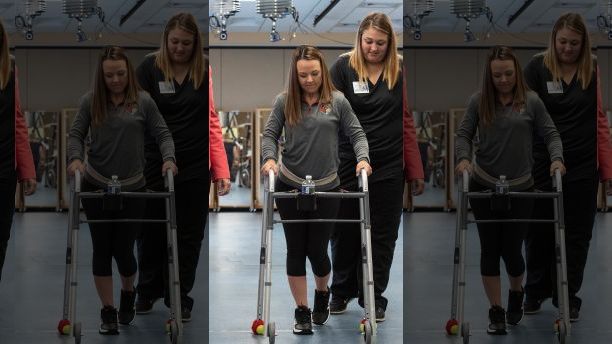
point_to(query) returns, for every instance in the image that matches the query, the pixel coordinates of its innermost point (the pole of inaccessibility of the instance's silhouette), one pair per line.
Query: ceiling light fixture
(420, 9)
(274, 10)
(223, 9)
(468, 10)
(33, 9)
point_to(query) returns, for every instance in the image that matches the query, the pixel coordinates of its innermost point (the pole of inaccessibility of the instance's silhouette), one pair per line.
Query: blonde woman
(370, 76)
(566, 78)
(175, 77)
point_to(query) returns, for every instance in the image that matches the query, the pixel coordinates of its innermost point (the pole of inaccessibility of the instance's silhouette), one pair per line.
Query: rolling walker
(69, 324)
(262, 325)
(457, 324)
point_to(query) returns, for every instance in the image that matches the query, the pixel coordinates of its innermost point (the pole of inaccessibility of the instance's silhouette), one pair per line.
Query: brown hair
(187, 23)
(574, 22)
(293, 103)
(382, 23)
(5, 58)
(488, 93)
(100, 93)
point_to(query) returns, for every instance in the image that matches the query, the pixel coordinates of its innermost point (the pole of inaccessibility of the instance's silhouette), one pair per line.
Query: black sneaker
(497, 320)
(144, 305)
(515, 307)
(186, 314)
(574, 314)
(338, 304)
(574, 308)
(109, 325)
(303, 321)
(126, 307)
(532, 306)
(380, 314)
(320, 311)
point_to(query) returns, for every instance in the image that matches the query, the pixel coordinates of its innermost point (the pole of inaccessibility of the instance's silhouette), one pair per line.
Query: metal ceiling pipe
(325, 11)
(127, 16)
(518, 13)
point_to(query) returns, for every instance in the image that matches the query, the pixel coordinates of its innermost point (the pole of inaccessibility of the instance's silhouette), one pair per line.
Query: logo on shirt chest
(325, 108)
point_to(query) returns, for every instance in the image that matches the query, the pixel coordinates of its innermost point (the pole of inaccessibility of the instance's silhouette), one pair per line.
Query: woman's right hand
(270, 164)
(463, 165)
(76, 164)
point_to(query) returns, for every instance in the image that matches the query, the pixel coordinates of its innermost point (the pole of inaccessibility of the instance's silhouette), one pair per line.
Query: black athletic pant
(113, 240)
(385, 216)
(306, 240)
(8, 185)
(191, 202)
(501, 240)
(580, 206)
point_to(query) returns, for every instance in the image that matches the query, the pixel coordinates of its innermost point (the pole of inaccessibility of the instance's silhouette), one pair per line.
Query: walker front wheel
(77, 333)
(465, 332)
(272, 332)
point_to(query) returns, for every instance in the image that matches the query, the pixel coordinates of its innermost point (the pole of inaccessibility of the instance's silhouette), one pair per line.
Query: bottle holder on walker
(262, 325)
(457, 325)
(69, 324)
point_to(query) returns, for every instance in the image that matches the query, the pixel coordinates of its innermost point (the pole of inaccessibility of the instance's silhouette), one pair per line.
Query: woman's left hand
(557, 165)
(29, 186)
(363, 165)
(418, 186)
(169, 165)
(223, 186)
(608, 187)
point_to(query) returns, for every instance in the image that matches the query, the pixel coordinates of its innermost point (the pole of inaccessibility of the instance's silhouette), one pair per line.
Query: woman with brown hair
(176, 78)
(566, 78)
(115, 115)
(370, 76)
(505, 113)
(16, 161)
(311, 112)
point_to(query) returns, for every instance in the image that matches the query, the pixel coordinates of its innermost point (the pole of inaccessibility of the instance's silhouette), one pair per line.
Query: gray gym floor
(235, 240)
(428, 266)
(31, 291)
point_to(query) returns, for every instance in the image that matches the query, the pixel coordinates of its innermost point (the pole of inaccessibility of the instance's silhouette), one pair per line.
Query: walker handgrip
(557, 181)
(77, 180)
(170, 179)
(363, 179)
(466, 180)
(271, 180)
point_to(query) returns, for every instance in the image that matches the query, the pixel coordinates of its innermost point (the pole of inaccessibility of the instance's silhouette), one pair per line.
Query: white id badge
(554, 87)
(166, 87)
(360, 87)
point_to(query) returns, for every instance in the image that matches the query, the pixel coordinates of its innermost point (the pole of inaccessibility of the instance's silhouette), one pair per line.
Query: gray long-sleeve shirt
(116, 146)
(505, 146)
(311, 146)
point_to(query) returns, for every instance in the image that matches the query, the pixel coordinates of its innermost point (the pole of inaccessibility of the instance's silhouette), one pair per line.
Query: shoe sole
(147, 311)
(342, 310)
(322, 323)
(186, 320)
(108, 332)
(532, 312)
(378, 320)
(516, 323)
(302, 332)
(497, 332)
